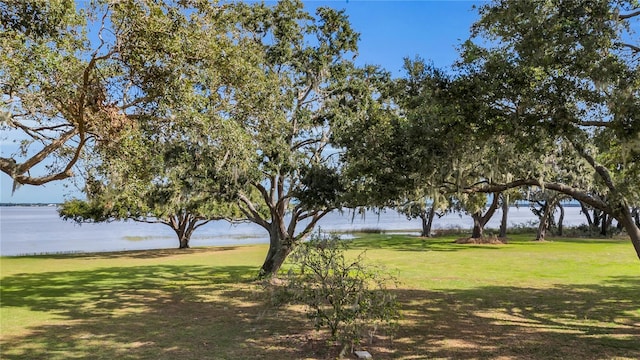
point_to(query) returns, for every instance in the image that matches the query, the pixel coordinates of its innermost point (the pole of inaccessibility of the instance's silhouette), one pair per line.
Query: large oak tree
(182, 161)
(67, 80)
(546, 95)
(565, 75)
(308, 60)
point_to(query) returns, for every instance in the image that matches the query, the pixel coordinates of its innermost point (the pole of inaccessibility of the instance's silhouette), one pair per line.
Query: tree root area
(484, 240)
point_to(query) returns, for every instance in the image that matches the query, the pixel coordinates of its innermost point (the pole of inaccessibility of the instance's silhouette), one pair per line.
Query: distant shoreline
(30, 204)
(568, 204)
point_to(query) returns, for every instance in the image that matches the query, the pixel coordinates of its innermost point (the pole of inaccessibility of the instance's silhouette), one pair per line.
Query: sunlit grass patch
(565, 298)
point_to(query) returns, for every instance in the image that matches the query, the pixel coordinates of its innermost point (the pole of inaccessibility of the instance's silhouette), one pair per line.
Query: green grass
(566, 298)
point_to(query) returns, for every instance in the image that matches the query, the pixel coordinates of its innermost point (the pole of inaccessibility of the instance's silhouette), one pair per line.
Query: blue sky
(389, 31)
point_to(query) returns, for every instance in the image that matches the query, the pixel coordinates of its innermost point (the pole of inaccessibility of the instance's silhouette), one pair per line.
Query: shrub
(345, 295)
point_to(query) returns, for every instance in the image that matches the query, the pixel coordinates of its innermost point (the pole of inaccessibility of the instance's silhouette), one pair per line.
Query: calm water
(38, 230)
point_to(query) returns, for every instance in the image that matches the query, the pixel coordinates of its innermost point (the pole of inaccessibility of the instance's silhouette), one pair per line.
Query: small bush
(347, 296)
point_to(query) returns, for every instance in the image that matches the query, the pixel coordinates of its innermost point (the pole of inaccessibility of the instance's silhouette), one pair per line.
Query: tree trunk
(561, 220)
(604, 224)
(633, 230)
(279, 249)
(636, 216)
(597, 214)
(427, 221)
(478, 226)
(184, 242)
(479, 220)
(542, 227)
(505, 216)
(585, 211)
(183, 225)
(544, 220)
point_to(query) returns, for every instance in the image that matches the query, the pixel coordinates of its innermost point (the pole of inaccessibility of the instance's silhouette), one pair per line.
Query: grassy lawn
(567, 298)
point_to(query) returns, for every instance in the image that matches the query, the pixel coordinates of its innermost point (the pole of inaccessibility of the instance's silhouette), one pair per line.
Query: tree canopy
(260, 109)
(182, 160)
(308, 58)
(545, 95)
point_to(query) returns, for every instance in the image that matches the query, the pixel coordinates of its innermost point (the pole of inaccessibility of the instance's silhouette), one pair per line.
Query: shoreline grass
(565, 298)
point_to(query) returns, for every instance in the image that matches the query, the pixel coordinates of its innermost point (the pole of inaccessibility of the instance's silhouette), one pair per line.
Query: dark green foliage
(321, 187)
(82, 211)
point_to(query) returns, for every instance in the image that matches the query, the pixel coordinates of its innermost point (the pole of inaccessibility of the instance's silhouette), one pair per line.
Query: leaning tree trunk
(544, 221)
(281, 243)
(633, 230)
(585, 211)
(278, 252)
(479, 220)
(280, 246)
(636, 216)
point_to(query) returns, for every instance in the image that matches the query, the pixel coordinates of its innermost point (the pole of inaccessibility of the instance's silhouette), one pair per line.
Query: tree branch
(251, 213)
(628, 16)
(492, 209)
(577, 194)
(600, 170)
(594, 123)
(312, 224)
(633, 48)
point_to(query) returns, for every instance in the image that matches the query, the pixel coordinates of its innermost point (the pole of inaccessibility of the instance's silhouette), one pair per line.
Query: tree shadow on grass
(415, 243)
(150, 312)
(570, 322)
(201, 312)
(133, 254)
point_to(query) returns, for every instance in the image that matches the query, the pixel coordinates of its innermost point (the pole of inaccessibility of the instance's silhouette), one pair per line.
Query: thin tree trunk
(427, 221)
(604, 224)
(585, 211)
(505, 216)
(560, 220)
(597, 217)
(547, 212)
(542, 227)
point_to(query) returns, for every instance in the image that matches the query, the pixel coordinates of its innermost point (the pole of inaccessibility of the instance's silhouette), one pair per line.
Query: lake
(26, 230)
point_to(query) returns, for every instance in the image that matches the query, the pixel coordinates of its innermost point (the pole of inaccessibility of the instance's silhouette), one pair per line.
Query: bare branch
(265, 195)
(577, 194)
(303, 143)
(319, 215)
(251, 213)
(601, 170)
(40, 156)
(629, 16)
(633, 48)
(594, 123)
(203, 222)
(28, 180)
(147, 221)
